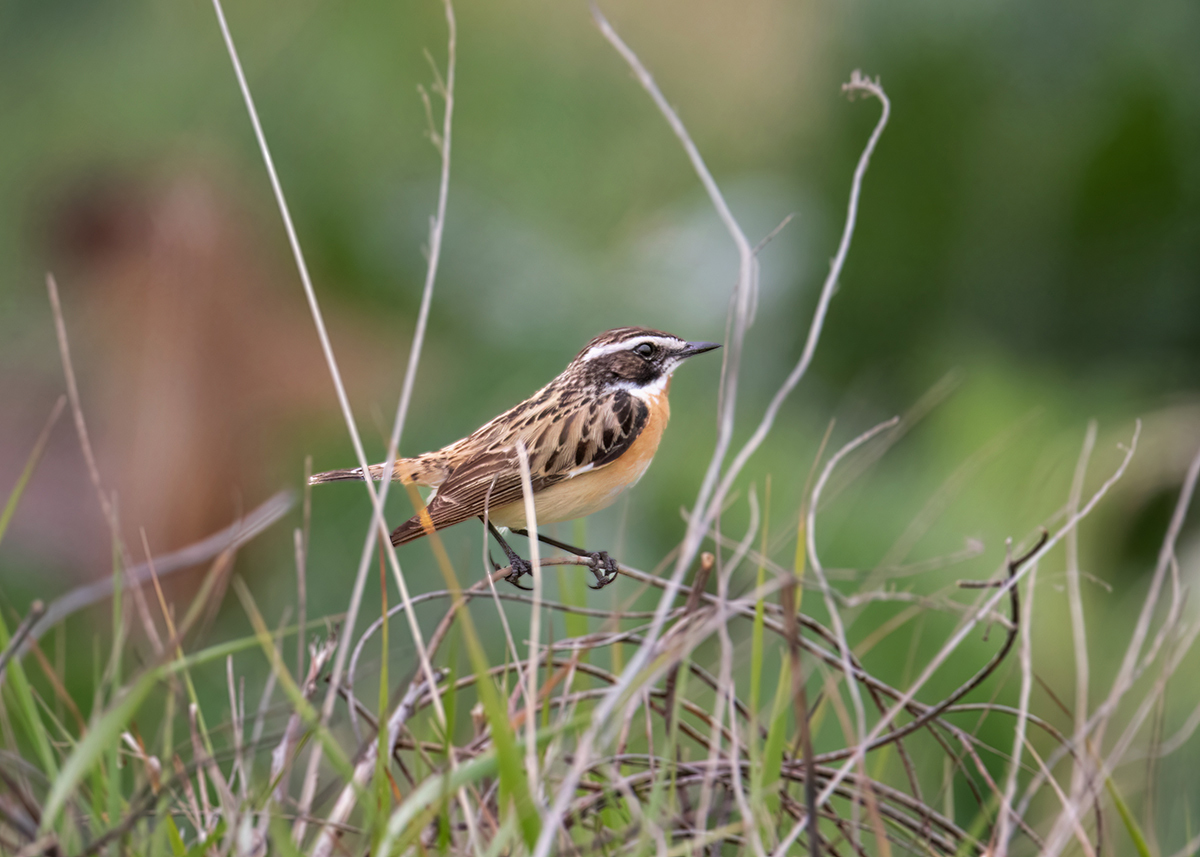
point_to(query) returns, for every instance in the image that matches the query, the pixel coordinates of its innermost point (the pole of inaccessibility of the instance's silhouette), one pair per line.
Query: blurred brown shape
(197, 360)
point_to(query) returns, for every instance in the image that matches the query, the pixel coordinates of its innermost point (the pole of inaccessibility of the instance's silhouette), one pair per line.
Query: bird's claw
(604, 567)
(519, 568)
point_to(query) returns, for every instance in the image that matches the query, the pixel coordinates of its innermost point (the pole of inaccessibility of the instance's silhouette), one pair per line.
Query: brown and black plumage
(589, 434)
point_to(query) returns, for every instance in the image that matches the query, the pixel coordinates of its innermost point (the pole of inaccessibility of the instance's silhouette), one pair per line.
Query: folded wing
(576, 438)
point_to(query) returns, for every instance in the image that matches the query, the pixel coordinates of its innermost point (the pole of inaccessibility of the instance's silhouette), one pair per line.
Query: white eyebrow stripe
(626, 345)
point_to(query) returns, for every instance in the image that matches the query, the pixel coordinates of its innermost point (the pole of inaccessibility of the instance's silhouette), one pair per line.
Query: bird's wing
(585, 439)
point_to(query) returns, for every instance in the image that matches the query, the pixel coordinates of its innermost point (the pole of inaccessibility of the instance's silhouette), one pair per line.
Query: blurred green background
(1027, 258)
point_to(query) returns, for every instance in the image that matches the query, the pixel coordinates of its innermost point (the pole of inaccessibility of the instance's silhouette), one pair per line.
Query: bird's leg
(602, 565)
(518, 566)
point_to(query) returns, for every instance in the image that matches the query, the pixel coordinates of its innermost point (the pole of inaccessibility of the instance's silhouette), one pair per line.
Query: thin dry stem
(956, 639)
(742, 307)
(1093, 732)
(1081, 767)
(860, 714)
(1025, 656)
(535, 617)
(343, 400)
(365, 767)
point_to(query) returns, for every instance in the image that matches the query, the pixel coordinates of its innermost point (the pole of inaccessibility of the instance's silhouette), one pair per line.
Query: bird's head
(634, 358)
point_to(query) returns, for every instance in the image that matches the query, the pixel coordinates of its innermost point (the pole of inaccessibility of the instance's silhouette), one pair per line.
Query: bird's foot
(603, 566)
(519, 568)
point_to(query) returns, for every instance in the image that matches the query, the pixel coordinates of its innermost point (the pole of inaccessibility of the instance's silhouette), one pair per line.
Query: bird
(589, 435)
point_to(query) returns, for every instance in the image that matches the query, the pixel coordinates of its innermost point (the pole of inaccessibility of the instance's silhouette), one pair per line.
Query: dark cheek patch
(629, 367)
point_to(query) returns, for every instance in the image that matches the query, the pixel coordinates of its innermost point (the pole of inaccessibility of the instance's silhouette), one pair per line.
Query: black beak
(694, 348)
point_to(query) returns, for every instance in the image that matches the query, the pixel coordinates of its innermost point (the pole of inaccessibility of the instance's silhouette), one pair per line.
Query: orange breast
(592, 491)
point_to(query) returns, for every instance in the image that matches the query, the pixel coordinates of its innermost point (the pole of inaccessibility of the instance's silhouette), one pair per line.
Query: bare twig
(858, 84)
(365, 767)
(85, 442)
(1025, 654)
(956, 639)
(830, 604)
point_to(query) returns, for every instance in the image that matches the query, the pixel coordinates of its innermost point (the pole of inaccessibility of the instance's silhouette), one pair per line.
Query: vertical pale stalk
(1004, 830)
(535, 620)
(1081, 765)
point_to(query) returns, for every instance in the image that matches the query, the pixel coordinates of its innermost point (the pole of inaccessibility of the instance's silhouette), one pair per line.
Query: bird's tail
(426, 469)
(354, 474)
(410, 530)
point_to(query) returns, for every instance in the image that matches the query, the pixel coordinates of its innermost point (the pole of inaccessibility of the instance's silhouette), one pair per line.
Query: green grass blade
(402, 826)
(777, 733)
(312, 719)
(201, 847)
(281, 838)
(1131, 826)
(756, 637)
(514, 783)
(428, 793)
(95, 746)
(450, 701)
(35, 456)
(22, 701)
(178, 849)
(25, 709)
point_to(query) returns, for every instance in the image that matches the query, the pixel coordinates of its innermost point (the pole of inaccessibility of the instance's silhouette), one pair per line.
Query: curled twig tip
(860, 82)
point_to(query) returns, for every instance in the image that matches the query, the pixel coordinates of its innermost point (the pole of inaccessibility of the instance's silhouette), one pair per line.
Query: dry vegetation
(615, 737)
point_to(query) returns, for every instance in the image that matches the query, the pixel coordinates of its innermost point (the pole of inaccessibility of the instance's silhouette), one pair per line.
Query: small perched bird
(589, 434)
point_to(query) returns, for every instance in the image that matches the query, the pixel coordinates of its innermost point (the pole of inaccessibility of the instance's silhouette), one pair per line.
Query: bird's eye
(645, 349)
